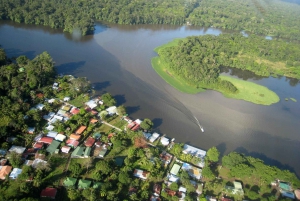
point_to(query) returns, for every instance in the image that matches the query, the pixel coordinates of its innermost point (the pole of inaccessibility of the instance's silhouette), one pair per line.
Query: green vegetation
(113, 176)
(265, 17)
(293, 99)
(179, 64)
(251, 92)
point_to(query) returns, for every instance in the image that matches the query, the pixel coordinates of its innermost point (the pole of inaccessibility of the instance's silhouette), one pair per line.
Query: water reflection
(248, 75)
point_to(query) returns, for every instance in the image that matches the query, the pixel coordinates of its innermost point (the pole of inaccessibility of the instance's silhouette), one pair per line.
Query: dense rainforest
(19, 79)
(197, 59)
(265, 17)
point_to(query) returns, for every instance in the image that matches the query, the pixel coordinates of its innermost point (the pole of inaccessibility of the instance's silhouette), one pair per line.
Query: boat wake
(201, 127)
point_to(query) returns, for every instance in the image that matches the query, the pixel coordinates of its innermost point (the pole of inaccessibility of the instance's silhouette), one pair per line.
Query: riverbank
(247, 91)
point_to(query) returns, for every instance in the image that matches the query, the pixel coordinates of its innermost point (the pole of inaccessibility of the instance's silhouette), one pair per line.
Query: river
(117, 59)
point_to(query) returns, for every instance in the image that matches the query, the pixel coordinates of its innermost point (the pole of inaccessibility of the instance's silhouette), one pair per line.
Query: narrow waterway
(117, 59)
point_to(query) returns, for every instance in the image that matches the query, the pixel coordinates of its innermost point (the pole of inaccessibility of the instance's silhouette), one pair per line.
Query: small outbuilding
(49, 193)
(15, 173)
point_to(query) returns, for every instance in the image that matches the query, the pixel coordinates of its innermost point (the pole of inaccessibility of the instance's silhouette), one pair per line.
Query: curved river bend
(117, 59)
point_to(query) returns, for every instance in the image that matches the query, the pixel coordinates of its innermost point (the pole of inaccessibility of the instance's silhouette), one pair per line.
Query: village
(101, 137)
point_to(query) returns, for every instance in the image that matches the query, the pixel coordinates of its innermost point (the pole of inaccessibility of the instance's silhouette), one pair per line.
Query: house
(165, 157)
(80, 130)
(93, 121)
(83, 184)
(91, 104)
(28, 162)
(70, 182)
(40, 95)
(50, 127)
(55, 86)
(154, 198)
(164, 141)
(52, 134)
(170, 192)
(52, 100)
(49, 193)
(192, 170)
(236, 189)
(154, 137)
(66, 108)
(89, 142)
(17, 149)
(4, 171)
(131, 125)
(112, 110)
(15, 173)
(141, 174)
(3, 162)
(46, 140)
(67, 98)
(74, 110)
(36, 162)
(39, 156)
(137, 125)
(72, 143)
(97, 136)
(78, 153)
(175, 169)
(297, 193)
(31, 130)
(53, 146)
(199, 153)
(65, 149)
(60, 137)
(40, 106)
(49, 116)
(210, 198)
(96, 184)
(147, 135)
(75, 137)
(172, 178)
(87, 152)
(38, 145)
(102, 152)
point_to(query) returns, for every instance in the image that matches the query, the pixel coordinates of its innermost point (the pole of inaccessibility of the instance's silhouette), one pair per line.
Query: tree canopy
(264, 17)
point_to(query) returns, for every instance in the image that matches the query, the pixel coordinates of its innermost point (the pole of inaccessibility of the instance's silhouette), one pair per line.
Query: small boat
(202, 129)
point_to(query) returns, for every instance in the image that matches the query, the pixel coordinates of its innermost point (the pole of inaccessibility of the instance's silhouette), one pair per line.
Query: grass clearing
(79, 101)
(251, 92)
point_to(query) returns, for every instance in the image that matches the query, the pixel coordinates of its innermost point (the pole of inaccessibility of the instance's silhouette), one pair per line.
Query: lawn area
(79, 101)
(251, 92)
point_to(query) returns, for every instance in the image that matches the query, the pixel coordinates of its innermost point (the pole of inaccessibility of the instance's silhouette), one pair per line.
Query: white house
(112, 110)
(141, 174)
(91, 104)
(164, 141)
(199, 153)
(60, 137)
(15, 173)
(154, 137)
(55, 85)
(40, 106)
(17, 149)
(66, 99)
(52, 134)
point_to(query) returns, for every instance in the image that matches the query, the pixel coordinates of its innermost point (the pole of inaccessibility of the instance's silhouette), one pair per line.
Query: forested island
(59, 141)
(194, 63)
(264, 17)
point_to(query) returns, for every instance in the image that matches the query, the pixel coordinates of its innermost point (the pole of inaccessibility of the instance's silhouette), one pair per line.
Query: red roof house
(74, 110)
(38, 145)
(49, 193)
(72, 143)
(46, 140)
(89, 142)
(132, 124)
(136, 127)
(80, 130)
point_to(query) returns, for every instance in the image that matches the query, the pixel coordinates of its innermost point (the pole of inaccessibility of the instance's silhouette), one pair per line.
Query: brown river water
(117, 59)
